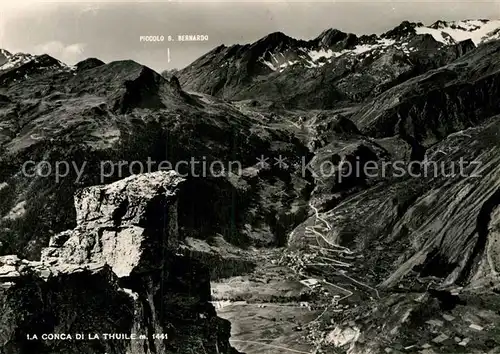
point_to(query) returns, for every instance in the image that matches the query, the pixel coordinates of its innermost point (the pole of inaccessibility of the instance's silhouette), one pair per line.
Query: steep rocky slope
(427, 108)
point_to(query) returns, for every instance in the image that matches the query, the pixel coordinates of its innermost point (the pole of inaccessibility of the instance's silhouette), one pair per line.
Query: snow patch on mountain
(363, 48)
(16, 60)
(9, 62)
(4, 53)
(479, 31)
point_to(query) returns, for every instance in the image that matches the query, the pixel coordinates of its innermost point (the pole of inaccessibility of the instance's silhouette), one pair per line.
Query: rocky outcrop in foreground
(115, 284)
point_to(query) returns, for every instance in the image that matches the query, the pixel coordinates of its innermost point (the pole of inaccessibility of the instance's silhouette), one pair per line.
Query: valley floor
(270, 310)
(278, 309)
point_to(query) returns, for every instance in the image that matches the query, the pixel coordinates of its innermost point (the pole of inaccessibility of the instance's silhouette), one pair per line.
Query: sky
(74, 30)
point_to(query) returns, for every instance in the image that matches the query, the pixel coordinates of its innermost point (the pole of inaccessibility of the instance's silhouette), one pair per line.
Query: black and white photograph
(249, 177)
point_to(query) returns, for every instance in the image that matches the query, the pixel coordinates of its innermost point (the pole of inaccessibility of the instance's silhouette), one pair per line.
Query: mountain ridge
(271, 67)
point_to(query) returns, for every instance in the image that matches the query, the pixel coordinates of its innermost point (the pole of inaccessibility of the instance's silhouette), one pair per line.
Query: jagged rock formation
(117, 272)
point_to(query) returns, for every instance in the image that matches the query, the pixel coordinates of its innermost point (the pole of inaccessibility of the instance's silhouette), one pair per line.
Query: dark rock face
(464, 47)
(117, 272)
(332, 36)
(404, 30)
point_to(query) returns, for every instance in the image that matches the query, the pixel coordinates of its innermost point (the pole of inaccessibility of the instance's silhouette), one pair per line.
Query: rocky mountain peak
(407, 49)
(127, 84)
(331, 37)
(272, 42)
(125, 202)
(15, 61)
(404, 30)
(439, 24)
(275, 38)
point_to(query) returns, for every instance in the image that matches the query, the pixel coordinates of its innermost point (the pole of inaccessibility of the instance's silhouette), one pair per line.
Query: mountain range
(298, 259)
(272, 67)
